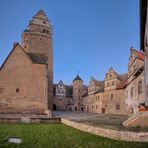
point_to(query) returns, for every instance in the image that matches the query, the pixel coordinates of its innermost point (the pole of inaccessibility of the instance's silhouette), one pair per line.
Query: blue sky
(89, 36)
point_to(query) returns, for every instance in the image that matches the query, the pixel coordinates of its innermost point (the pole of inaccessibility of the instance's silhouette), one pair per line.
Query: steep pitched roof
(35, 58)
(15, 45)
(77, 78)
(122, 77)
(96, 82)
(124, 81)
(123, 84)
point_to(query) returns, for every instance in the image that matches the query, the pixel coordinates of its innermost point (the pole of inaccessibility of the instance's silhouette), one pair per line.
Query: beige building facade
(106, 96)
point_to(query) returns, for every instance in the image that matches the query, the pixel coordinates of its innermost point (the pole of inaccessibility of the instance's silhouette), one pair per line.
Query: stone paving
(98, 120)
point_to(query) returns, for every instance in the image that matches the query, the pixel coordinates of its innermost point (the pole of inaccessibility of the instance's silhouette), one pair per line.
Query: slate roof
(96, 82)
(38, 58)
(77, 78)
(123, 84)
(122, 77)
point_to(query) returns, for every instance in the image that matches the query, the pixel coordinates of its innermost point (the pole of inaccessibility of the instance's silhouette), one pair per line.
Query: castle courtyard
(99, 120)
(77, 75)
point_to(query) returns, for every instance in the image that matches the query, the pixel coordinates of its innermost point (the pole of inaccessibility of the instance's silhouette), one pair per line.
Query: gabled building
(69, 97)
(20, 92)
(26, 76)
(62, 97)
(134, 91)
(106, 96)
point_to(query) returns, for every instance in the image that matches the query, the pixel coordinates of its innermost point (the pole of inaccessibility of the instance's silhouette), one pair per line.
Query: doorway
(103, 110)
(54, 107)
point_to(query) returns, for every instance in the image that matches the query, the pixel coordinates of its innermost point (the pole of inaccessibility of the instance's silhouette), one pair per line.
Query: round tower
(77, 93)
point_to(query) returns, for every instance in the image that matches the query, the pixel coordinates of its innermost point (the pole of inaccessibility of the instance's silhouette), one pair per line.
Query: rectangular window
(96, 106)
(44, 31)
(131, 92)
(98, 97)
(1, 90)
(112, 82)
(126, 94)
(117, 107)
(17, 90)
(107, 84)
(111, 96)
(139, 87)
(47, 31)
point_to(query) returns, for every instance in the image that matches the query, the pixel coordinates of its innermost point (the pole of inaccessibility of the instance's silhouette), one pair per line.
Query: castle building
(106, 96)
(134, 91)
(26, 76)
(116, 94)
(139, 87)
(69, 97)
(62, 97)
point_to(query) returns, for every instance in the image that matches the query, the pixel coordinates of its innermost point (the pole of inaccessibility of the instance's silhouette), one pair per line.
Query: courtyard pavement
(98, 120)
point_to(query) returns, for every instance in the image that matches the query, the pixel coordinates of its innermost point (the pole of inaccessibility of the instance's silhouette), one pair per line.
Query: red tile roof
(140, 55)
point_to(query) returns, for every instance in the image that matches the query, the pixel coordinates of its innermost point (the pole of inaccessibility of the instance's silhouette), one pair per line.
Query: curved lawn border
(109, 133)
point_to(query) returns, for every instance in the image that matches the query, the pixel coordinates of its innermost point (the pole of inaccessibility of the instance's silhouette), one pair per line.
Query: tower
(37, 38)
(77, 93)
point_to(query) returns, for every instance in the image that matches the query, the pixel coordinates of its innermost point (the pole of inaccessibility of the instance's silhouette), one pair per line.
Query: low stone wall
(30, 120)
(10, 120)
(109, 133)
(45, 120)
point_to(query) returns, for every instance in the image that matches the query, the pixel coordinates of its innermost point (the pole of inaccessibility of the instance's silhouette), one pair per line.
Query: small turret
(25, 39)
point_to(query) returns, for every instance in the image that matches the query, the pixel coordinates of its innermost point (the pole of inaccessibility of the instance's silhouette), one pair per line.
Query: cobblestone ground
(98, 120)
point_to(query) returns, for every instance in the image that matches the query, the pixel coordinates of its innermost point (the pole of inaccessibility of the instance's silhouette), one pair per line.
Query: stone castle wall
(23, 84)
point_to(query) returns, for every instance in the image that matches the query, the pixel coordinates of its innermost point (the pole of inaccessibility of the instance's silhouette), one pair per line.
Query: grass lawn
(57, 136)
